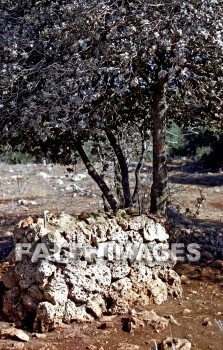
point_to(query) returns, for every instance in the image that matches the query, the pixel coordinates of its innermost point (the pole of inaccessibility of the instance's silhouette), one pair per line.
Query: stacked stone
(77, 268)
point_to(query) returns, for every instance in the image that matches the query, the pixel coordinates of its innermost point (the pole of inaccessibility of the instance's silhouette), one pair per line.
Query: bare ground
(52, 188)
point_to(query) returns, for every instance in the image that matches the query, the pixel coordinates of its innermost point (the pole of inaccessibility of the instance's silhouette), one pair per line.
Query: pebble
(40, 335)
(206, 322)
(219, 313)
(186, 311)
(184, 279)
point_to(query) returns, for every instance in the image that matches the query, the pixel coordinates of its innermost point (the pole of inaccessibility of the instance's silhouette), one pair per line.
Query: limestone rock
(158, 291)
(149, 231)
(13, 333)
(120, 269)
(140, 275)
(122, 220)
(184, 279)
(85, 229)
(176, 343)
(76, 313)
(147, 318)
(95, 263)
(162, 236)
(44, 270)
(48, 316)
(154, 231)
(95, 308)
(118, 235)
(56, 291)
(122, 295)
(172, 280)
(55, 237)
(78, 294)
(138, 223)
(101, 273)
(99, 231)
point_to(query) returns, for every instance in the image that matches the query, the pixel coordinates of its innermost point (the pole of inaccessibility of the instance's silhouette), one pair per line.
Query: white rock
(78, 294)
(48, 316)
(186, 311)
(26, 202)
(78, 177)
(56, 291)
(120, 269)
(137, 223)
(59, 182)
(154, 232)
(74, 313)
(140, 274)
(175, 343)
(15, 177)
(14, 333)
(149, 231)
(118, 235)
(69, 189)
(122, 285)
(162, 236)
(43, 175)
(101, 273)
(94, 308)
(44, 270)
(158, 291)
(99, 231)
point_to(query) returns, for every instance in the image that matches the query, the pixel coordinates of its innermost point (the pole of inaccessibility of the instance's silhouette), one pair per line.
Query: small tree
(75, 70)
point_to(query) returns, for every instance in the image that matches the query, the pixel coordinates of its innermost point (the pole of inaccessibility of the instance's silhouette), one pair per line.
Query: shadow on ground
(196, 179)
(194, 174)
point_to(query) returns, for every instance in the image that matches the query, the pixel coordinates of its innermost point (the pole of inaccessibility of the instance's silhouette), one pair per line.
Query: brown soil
(203, 325)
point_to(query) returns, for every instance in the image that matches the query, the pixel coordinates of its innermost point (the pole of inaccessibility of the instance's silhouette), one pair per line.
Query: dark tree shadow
(194, 174)
(210, 180)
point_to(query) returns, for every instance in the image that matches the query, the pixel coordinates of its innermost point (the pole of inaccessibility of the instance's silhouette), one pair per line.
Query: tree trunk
(123, 168)
(118, 184)
(137, 173)
(159, 190)
(96, 177)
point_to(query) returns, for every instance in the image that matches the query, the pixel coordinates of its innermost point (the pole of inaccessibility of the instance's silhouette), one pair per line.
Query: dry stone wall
(78, 268)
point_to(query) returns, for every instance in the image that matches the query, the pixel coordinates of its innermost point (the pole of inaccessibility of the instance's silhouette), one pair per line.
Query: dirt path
(199, 315)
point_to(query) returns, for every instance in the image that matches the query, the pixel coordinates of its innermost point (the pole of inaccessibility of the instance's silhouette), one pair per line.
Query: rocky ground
(30, 189)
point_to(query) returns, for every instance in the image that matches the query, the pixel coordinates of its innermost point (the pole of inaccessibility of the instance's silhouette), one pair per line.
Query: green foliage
(10, 156)
(204, 144)
(174, 139)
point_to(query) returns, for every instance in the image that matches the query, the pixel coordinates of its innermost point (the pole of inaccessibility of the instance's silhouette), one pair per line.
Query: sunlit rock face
(78, 268)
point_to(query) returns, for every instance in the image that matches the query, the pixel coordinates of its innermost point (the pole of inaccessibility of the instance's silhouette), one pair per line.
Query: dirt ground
(28, 190)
